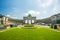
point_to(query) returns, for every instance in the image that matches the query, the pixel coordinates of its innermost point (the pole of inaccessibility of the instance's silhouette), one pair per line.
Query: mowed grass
(29, 34)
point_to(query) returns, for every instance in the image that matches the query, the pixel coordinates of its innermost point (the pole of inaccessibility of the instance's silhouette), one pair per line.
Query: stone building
(3, 19)
(26, 20)
(29, 19)
(55, 17)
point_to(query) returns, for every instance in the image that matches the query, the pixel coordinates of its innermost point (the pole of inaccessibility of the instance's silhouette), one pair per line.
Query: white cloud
(39, 0)
(49, 2)
(44, 12)
(33, 13)
(45, 3)
(38, 13)
(15, 17)
(12, 16)
(26, 14)
(55, 9)
(8, 15)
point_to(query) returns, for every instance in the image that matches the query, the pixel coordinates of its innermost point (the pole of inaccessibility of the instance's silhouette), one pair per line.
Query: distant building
(55, 17)
(29, 19)
(26, 20)
(3, 19)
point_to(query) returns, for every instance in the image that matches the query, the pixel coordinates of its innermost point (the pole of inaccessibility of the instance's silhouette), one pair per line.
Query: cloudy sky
(39, 8)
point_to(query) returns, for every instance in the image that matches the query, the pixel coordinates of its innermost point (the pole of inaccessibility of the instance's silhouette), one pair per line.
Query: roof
(29, 15)
(1, 15)
(56, 14)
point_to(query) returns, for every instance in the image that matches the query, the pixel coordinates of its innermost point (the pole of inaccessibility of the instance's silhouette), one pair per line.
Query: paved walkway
(37, 26)
(54, 30)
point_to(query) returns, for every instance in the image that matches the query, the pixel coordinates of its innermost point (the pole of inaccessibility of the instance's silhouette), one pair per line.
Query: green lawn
(29, 34)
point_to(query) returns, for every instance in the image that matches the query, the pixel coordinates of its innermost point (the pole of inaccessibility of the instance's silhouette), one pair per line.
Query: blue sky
(39, 8)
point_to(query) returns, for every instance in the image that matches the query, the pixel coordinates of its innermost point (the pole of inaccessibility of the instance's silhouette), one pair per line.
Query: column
(0, 20)
(4, 21)
(32, 21)
(29, 21)
(26, 21)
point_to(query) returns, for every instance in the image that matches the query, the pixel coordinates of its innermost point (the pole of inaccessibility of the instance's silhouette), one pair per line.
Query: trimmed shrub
(58, 21)
(29, 25)
(51, 25)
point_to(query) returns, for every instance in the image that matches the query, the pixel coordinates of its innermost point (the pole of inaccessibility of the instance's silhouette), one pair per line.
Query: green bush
(29, 25)
(51, 25)
(0, 24)
(58, 21)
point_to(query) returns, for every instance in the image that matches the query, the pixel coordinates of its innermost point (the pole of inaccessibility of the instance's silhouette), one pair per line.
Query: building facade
(26, 20)
(3, 19)
(54, 18)
(29, 19)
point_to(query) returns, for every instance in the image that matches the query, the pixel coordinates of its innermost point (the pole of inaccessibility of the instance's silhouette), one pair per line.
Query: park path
(37, 26)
